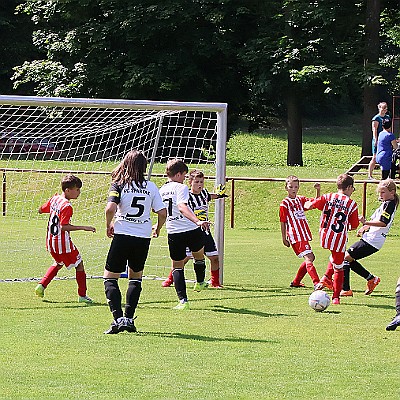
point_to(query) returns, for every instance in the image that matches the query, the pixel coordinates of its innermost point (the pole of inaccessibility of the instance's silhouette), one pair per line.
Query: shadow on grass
(245, 311)
(176, 335)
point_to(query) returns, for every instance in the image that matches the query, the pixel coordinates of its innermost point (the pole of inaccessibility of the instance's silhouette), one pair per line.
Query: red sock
(215, 278)
(329, 270)
(50, 274)
(81, 281)
(300, 273)
(312, 272)
(170, 277)
(337, 283)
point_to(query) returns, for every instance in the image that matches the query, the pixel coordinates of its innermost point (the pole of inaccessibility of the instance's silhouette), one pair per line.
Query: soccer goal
(42, 139)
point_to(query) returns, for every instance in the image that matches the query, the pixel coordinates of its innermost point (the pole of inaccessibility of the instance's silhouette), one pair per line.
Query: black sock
(179, 283)
(359, 269)
(113, 295)
(346, 281)
(200, 270)
(398, 299)
(132, 297)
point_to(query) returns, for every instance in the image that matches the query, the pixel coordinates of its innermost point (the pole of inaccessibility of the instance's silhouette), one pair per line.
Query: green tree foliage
(16, 42)
(264, 58)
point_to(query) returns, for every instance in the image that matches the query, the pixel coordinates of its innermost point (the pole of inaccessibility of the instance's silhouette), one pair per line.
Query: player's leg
(115, 264)
(211, 252)
(47, 278)
(396, 320)
(301, 272)
(177, 251)
(357, 251)
(311, 270)
(337, 260)
(136, 262)
(214, 263)
(80, 276)
(196, 241)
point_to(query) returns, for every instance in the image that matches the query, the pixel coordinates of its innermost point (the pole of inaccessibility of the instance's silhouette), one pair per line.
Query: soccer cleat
(39, 290)
(336, 300)
(127, 325)
(116, 326)
(182, 306)
(326, 282)
(113, 329)
(372, 284)
(346, 293)
(85, 299)
(301, 284)
(216, 285)
(394, 323)
(199, 286)
(167, 283)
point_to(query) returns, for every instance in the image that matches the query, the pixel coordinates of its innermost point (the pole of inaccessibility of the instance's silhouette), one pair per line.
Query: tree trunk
(371, 59)
(294, 129)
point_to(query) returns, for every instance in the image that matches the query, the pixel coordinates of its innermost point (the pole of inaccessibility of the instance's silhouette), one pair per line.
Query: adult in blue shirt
(386, 144)
(376, 129)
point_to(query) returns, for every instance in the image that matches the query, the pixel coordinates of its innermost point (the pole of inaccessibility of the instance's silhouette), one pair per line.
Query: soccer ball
(319, 300)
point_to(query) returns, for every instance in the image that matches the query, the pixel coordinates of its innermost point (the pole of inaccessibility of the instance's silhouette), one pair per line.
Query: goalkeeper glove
(220, 191)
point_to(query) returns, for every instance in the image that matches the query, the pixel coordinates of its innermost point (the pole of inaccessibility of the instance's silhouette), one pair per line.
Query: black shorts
(361, 249)
(127, 250)
(177, 243)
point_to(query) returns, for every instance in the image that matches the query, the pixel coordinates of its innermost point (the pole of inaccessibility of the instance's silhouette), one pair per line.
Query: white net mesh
(40, 143)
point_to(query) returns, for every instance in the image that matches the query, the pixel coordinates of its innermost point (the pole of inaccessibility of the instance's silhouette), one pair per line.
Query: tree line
(267, 59)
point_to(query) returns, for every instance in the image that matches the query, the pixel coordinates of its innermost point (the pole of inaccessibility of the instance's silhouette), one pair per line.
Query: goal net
(42, 139)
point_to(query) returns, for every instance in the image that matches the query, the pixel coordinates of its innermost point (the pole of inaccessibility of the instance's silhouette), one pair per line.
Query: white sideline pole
(220, 179)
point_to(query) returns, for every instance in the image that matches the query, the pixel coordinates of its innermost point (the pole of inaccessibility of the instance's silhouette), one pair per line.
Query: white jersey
(172, 194)
(376, 236)
(134, 207)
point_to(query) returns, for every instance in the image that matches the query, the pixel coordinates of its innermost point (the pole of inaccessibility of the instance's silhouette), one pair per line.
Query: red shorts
(70, 260)
(337, 259)
(301, 248)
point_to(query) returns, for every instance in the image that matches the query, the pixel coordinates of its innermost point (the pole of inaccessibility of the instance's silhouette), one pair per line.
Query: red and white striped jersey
(291, 212)
(60, 210)
(339, 212)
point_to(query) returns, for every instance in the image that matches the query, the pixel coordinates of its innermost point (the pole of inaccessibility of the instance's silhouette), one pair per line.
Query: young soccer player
(199, 197)
(295, 230)
(373, 234)
(184, 230)
(58, 240)
(396, 320)
(130, 201)
(339, 214)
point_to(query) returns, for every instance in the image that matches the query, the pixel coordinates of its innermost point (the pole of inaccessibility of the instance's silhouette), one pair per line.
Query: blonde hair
(391, 186)
(290, 179)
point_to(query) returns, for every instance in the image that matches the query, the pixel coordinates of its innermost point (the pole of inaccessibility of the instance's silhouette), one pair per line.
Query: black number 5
(136, 204)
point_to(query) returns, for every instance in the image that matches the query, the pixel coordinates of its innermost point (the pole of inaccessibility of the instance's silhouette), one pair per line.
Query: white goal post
(43, 138)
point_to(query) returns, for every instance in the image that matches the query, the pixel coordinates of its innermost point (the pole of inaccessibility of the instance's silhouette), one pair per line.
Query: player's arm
(161, 218)
(190, 215)
(353, 220)
(111, 209)
(317, 187)
(284, 235)
(70, 228)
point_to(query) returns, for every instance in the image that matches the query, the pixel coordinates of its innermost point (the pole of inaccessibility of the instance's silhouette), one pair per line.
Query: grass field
(254, 339)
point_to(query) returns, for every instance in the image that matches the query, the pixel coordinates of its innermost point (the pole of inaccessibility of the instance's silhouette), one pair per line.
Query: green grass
(254, 339)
